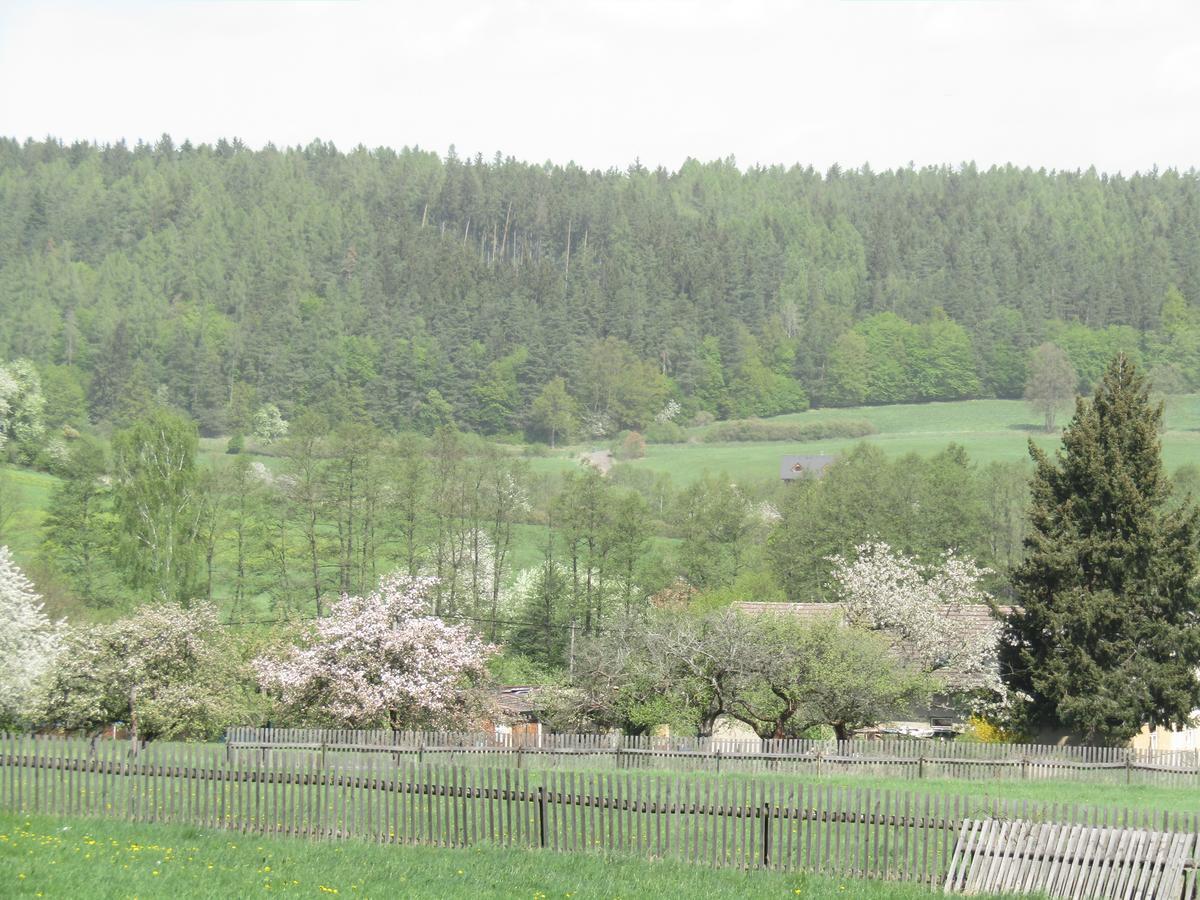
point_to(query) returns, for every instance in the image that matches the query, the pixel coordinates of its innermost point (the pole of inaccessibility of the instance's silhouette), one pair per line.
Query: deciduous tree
(1052, 382)
(382, 660)
(29, 642)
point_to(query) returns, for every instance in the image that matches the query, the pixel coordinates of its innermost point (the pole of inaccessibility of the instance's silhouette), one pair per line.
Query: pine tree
(1106, 638)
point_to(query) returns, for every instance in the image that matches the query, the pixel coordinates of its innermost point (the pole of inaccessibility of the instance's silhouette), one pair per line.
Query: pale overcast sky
(602, 82)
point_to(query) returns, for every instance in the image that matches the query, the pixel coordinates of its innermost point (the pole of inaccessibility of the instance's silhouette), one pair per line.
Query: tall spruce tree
(1107, 633)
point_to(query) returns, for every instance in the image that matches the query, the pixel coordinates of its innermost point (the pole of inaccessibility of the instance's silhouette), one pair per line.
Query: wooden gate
(1063, 860)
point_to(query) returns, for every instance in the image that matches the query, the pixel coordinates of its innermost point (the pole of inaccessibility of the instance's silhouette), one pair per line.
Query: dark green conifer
(1108, 636)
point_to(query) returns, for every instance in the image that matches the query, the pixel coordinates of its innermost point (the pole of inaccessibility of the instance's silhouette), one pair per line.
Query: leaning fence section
(747, 823)
(910, 759)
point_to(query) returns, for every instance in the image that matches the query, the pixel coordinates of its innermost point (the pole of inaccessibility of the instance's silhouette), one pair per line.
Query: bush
(702, 418)
(665, 433)
(236, 444)
(630, 445)
(761, 430)
(536, 449)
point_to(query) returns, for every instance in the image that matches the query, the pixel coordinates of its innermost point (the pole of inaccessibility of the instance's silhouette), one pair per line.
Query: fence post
(766, 835)
(420, 752)
(520, 754)
(921, 766)
(541, 815)
(617, 758)
(718, 761)
(1129, 767)
(818, 763)
(1024, 768)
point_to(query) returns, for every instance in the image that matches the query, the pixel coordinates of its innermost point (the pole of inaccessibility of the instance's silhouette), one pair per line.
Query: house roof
(975, 618)
(793, 467)
(518, 700)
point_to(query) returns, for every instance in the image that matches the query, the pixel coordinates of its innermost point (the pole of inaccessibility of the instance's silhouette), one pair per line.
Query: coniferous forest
(411, 290)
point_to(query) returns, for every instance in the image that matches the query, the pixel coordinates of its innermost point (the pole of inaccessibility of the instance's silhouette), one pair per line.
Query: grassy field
(44, 856)
(989, 430)
(1113, 794)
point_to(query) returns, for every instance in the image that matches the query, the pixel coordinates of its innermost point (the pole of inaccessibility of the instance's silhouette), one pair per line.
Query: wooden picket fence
(739, 822)
(1062, 860)
(907, 758)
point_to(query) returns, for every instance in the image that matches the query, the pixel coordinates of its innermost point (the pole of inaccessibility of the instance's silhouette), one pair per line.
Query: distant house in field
(792, 468)
(944, 717)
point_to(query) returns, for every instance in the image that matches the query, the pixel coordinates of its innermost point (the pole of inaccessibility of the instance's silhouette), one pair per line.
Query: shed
(518, 709)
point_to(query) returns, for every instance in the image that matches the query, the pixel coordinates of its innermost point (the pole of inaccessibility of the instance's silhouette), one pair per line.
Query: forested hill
(413, 289)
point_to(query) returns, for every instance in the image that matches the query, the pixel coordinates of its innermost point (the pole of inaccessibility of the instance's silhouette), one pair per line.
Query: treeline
(412, 291)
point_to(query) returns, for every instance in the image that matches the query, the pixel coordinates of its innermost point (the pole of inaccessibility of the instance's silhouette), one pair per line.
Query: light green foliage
(920, 506)
(687, 667)
(21, 409)
(721, 529)
(158, 502)
(80, 527)
(554, 414)
(66, 401)
(1091, 350)
(905, 362)
(824, 673)
(617, 389)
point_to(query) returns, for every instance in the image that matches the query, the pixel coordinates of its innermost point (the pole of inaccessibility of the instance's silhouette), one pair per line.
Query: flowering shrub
(383, 660)
(166, 670)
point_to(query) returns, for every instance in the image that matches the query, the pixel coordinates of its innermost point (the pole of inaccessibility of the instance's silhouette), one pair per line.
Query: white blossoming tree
(165, 671)
(269, 424)
(919, 606)
(29, 641)
(382, 660)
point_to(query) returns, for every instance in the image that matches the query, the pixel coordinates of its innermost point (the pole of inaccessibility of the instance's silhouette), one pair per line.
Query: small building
(517, 720)
(793, 468)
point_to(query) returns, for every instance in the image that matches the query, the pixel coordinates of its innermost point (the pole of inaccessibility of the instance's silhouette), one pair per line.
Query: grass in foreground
(43, 856)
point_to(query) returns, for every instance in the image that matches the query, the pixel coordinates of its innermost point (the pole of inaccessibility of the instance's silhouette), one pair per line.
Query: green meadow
(89, 859)
(989, 430)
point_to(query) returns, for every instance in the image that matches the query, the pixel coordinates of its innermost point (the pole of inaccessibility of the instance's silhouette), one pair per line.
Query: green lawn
(31, 492)
(43, 856)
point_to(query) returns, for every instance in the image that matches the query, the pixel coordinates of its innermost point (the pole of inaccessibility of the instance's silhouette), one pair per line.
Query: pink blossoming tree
(382, 660)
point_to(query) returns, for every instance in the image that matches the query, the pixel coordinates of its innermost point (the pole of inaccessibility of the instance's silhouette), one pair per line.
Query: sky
(1060, 85)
